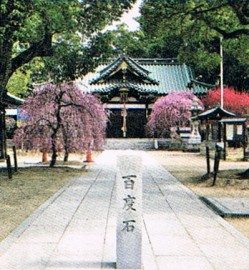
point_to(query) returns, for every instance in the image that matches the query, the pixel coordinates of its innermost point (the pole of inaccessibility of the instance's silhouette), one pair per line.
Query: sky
(128, 17)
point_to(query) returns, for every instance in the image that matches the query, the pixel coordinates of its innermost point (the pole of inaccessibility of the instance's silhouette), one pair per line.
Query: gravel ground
(189, 169)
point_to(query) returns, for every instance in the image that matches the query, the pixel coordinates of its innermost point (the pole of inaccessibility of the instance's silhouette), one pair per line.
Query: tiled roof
(12, 101)
(106, 71)
(215, 113)
(142, 89)
(200, 87)
(166, 76)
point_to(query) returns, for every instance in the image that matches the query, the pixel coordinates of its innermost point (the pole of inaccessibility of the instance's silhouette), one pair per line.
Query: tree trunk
(3, 148)
(54, 157)
(66, 156)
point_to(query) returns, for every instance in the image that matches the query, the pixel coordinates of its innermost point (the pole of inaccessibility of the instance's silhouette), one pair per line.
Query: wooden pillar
(224, 141)
(244, 141)
(3, 148)
(216, 163)
(208, 159)
(146, 111)
(9, 167)
(124, 126)
(15, 158)
(219, 131)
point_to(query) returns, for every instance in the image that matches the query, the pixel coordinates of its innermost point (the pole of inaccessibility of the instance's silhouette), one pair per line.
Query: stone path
(76, 228)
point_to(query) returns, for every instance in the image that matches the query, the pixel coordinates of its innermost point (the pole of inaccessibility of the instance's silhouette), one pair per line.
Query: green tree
(31, 29)
(18, 83)
(37, 28)
(190, 30)
(121, 40)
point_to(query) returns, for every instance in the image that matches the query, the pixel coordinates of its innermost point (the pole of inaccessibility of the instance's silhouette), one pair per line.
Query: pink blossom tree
(170, 112)
(61, 118)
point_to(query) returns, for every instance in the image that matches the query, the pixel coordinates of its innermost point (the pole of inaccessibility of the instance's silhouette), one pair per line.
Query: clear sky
(128, 17)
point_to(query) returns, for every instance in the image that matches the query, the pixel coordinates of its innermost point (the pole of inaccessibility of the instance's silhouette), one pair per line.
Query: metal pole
(221, 75)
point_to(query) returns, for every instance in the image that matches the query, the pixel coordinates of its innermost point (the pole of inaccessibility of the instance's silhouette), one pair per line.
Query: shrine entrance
(128, 88)
(135, 123)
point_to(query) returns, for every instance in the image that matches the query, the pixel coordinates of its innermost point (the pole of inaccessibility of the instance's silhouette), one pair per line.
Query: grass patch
(29, 188)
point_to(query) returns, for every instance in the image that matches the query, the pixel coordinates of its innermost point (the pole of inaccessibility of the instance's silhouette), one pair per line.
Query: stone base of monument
(193, 144)
(129, 207)
(194, 139)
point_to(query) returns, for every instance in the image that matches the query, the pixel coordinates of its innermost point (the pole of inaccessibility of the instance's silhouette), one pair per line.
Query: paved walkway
(75, 229)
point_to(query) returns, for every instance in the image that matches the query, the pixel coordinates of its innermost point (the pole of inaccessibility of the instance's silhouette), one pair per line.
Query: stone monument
(129, 206)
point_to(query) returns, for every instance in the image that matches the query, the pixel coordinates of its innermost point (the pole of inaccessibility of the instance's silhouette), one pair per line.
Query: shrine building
(129, 87)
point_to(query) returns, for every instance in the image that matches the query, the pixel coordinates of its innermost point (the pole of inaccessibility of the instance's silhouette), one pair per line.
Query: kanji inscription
(129, 221)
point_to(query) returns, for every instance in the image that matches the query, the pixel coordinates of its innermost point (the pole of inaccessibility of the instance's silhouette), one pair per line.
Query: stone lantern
(194, 140)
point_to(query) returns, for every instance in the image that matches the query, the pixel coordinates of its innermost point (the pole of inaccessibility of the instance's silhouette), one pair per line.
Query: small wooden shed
(234, 134)
(220, 125)
(210, 123)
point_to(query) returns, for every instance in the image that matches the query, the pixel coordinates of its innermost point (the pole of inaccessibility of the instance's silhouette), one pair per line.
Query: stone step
(142, 144)
(133, 144)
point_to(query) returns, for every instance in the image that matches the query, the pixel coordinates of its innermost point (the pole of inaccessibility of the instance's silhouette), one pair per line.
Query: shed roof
(233, 120)
(216, 113)
(12, 101)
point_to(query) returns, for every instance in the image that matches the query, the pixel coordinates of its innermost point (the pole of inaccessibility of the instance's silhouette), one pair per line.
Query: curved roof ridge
(115, 63)
(203, 83)
(105, 72)
(213, 112)
(133, 62)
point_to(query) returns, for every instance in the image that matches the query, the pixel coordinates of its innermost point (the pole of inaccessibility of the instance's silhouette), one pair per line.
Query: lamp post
(123, 99)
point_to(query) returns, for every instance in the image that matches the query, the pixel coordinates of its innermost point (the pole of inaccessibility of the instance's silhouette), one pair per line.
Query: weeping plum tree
(234, 101)
(169, 112)
(61, 117)
(87, 129)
